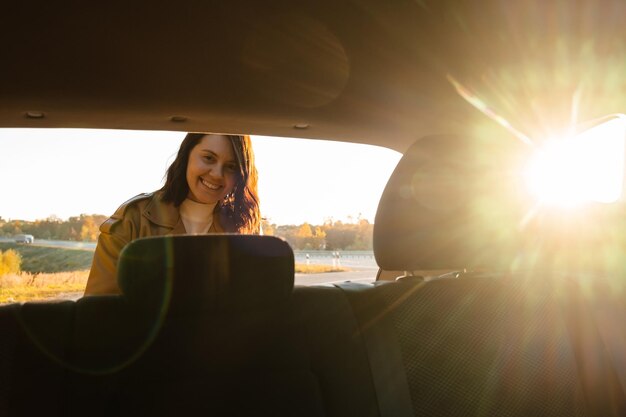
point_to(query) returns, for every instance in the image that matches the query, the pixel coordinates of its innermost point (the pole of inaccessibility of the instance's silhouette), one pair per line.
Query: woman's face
(212, 169)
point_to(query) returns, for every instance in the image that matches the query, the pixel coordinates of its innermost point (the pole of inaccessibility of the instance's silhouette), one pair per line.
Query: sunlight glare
(588, 167)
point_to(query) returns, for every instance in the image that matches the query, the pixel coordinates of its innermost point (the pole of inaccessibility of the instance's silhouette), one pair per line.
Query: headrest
(457, 202)
(207, 272)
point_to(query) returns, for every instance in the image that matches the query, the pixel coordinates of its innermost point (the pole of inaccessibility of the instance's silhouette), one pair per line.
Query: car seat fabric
(220, 336)
(383, 351)
(108, 336)
(237, 364)
(475, 346)
(8, 348)
(481, 347)
(594, 307)
(33, 347)
(338, 357)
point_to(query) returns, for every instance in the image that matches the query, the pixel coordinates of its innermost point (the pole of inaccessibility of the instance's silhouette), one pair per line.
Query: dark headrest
(458, 202)
(209, 272)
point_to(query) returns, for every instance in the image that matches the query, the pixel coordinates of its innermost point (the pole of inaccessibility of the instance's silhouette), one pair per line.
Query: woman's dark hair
(239, 211)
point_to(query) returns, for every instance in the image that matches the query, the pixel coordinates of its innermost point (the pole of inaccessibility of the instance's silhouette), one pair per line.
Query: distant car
(27, 239)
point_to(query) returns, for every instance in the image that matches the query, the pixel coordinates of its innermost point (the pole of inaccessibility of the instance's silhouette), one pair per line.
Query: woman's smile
(209, 185)
(212, 169)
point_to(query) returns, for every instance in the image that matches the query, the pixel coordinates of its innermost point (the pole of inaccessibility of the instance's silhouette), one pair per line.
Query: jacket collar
(165, 214)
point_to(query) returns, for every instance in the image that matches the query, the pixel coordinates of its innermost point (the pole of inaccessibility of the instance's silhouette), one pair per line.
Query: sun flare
(587, 167)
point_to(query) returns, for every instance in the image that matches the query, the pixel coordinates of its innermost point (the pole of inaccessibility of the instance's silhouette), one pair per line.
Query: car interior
(524, 317)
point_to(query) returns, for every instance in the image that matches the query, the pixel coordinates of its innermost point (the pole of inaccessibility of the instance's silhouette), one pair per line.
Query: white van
(24, 239)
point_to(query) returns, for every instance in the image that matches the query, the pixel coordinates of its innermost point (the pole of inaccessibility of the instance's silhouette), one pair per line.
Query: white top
(196, 217)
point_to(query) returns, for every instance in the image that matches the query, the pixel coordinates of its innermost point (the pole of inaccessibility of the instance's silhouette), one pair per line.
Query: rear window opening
(320, 196)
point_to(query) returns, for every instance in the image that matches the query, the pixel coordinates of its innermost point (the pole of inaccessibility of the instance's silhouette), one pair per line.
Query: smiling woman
(210, 188)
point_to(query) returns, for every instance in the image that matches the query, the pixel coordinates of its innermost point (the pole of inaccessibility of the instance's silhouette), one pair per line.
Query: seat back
(474, 343)
(189, 274)
(208, 325)
(463, 202)
(473, 346)
(219, 333)
(337, 353)
(34, 345)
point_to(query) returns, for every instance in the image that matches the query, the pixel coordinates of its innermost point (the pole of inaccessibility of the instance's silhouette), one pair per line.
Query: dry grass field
(318, 269)
(18, 288)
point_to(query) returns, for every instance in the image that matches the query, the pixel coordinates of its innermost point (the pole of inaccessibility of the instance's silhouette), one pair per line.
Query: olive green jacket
(142, 216)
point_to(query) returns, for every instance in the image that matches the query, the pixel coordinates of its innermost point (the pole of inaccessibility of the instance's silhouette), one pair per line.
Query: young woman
(211, 187)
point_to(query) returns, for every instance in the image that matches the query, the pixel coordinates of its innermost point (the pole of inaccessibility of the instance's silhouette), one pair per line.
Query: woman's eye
(209, 158)
(231, 168)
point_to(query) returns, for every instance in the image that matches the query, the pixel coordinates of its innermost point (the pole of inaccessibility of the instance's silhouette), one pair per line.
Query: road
(57, 243)
(65, 244)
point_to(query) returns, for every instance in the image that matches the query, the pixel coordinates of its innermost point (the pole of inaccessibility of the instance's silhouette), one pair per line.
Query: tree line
(332, 235)
(83, 228)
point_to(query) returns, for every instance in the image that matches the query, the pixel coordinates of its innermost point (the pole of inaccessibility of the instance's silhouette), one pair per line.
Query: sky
(67, 172)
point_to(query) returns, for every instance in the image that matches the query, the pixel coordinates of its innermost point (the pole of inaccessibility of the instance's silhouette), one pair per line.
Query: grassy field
(17, 288)
(40, 259)
(46, 273)
(50, 272)
(318, 269)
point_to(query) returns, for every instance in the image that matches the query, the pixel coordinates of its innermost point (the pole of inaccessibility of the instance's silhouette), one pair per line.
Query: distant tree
(72, 234)
(305, 231)
(99, 219)
(89, 230)
(364, 232)
(340, 236)
(287, 232)
(51, 229)
(303, 236)
(307, 239)
(16, 229)
(267, 227)
(319, 238)
(29, 227)
(53, 218)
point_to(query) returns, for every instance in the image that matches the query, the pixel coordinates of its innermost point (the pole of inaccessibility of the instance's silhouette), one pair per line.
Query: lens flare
(587, 167)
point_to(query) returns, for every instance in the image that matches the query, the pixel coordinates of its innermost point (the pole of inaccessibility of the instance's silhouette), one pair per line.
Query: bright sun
(583, 168)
